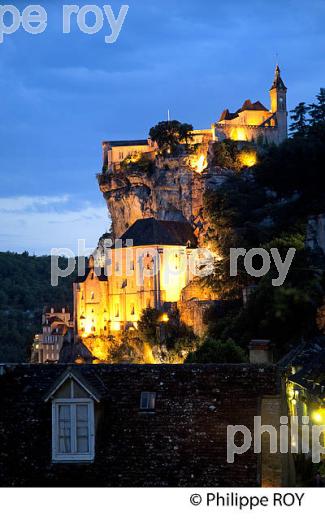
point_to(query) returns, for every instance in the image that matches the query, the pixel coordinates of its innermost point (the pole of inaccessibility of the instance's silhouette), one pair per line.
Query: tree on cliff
(299, 125)
(170, 134)
(25, 289)
(268, 207)
(317, 110)
(217, 351)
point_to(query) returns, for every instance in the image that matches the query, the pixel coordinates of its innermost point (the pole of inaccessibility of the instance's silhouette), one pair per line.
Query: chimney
(260, 352)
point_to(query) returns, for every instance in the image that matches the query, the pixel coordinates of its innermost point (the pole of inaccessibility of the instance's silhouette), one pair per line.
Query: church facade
(148, 267)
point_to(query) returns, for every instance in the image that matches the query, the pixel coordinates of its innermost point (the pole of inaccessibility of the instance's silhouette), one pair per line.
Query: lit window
(148, 400)
(73, 430)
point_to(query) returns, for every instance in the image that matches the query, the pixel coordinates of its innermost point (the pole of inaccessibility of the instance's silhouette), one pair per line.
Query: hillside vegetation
(25, 289)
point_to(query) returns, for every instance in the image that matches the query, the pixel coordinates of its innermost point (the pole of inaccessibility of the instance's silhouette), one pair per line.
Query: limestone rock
(173, 191)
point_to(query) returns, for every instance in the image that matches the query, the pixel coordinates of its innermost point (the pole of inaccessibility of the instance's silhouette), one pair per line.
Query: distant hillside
(24, 290)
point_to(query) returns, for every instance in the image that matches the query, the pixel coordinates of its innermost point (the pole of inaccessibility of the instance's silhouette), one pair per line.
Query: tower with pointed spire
(253, 121)
(278, 95)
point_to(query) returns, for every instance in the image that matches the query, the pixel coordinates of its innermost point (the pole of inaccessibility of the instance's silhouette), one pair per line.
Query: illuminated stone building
(253, 121)
(149, 273)
(57, 327)
(157, 218)
(114, 152)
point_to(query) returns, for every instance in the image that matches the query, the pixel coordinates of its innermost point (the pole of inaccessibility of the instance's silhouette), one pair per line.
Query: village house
(137, 425)
(57, 327)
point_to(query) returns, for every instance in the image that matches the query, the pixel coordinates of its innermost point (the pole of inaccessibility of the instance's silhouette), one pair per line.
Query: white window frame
(73, 456)
(148, 396)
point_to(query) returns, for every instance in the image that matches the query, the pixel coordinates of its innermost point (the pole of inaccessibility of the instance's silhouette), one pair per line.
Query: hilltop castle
(252, 122)
(157, 218)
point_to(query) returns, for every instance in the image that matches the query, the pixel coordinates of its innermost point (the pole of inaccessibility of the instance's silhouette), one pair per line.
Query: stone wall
(181, 443)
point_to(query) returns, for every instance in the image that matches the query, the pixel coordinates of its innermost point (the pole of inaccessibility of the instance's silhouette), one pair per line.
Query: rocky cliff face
(174, 190)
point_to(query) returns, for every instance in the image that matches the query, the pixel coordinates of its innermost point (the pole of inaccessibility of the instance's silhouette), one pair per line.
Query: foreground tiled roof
(39, 379)
(149, 231)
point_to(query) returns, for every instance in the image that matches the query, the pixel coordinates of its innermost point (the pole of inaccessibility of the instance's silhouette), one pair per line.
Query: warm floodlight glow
(165, 318)
(238, 134)
(87, 325)
(248, 158)
(199, 163)
(116, 326)
(318, 416)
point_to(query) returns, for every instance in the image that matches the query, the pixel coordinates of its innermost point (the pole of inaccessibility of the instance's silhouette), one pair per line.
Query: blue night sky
(61, 95)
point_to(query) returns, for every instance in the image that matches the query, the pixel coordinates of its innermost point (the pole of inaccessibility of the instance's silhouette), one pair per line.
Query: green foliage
(306, 117)
(299, 118)
(147, 325)
(295, 168)
(25, 290)
(217, 351)
(269, 206)
(225, 154)
(282, 314)
(169, 134)
(143, 163)
(173, 334)
(317, 110)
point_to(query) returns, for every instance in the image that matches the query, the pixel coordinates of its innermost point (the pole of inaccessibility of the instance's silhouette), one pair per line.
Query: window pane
(64, 429)
(148, 400)
(82, 428)
(152, 400)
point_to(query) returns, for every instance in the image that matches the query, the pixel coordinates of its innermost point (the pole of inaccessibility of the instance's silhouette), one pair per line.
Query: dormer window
(73, 425)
